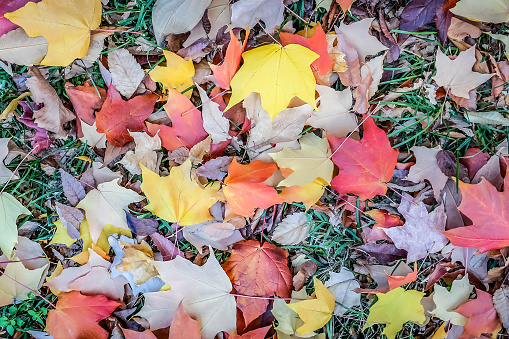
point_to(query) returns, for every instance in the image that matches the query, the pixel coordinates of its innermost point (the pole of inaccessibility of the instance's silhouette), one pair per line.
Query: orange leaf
(384, 219)
(345, 4)
(489, 211)
(187, 123)
(225, 72)
(258, 271)
(85, 100)
(397, 281)
(246, 189)
(317, 43)
(364, 166)
(482, 317)
(77, 316)
(183, 323)
(118, 117)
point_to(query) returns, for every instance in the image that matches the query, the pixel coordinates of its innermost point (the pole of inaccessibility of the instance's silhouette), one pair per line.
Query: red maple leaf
(261, 271)
(364, 166)
(482, 317)
(246, 189)
(118, 117)
(77, 316)
(489, 211)
(187, 123)
(183, 323)
(85, 99)
(317, 43)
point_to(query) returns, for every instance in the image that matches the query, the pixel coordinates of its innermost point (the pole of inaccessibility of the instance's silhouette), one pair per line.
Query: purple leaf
(166, 247)
(141, 226)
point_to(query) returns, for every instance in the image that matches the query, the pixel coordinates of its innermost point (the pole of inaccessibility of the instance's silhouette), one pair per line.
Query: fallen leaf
(92, 137)
(183, 200)
(144, 153)
(456, 75)
(66, 27)
(217, 234)
(398, 281)
(183, 323)
(492, 118)
(343, 285)
(205, 292)
(216, 168)
(258, 271)
(17, 47)
(292, 230)
(54, 114)
(488, 209)
(306, 270)
(333, 113)
(118, 117)
(317, 43)
(216, 125)
(310, 162)
(364, 176)
(420, 235)
(130, 334)
(175, 17)
(278, 74)
(178, 73)
(482, 317)
(5, 173)
(11, 6)
(125, 71)
(70, 218)
(426, 168)
(77, 316)
(225, 72)
(105, 205)
(246, 13)
(159, 308)
(417, 14)
(384, 219)
(495, 11)
(86, 99)
(72, 188)
(219, 15)
(501, 304)
(246, 189)
(448, 301)
(17, 281)
(12, 210)
(315, 312)
(308, 194)
(166, 247)
(357, 34)
(395, 308)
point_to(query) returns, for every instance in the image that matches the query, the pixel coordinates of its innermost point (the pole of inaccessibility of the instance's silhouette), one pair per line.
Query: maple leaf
(177, 197)
(398, 281)
(7, 7)
(246, 189)
(183, 323)
(278, 74)
(86, 99)
(308, 194)
(489, 211)
(12, 209)
(457, 75)
(144, 153)
(246, 13)
(77, 316)
(447, 301)
(225, 72)
(310, 162)
(315, 312)
(357, 34)
(66, 26)
(426, 167)
(317, 43)
(333, 113)
(384, 219)
(343, 285)
(204, 291)
(495, 11)
(396, 308)
(178, 73)
(420, 234)
(105, 205)
(18, 281)
(261, 271)
(118, 117)
(482, 317)
(364, 176)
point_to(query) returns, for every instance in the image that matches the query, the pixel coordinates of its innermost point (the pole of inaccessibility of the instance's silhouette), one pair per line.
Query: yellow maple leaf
(278, 74)
(315, 312)
(177, 197)
(309, 162)
(178, 73)
(396, 308)
(66, 25)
